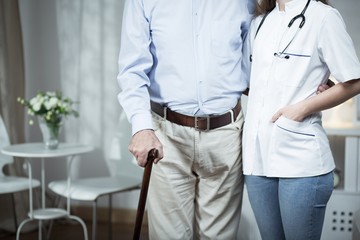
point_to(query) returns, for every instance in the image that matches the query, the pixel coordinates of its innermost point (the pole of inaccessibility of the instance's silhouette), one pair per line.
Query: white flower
(34, 100)
(51, 94)
(50, 106)
(66, 106)
(52, 103)
(30, 112)
(36, 106)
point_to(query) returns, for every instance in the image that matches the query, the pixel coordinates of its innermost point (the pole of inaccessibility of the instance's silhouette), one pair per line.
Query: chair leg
(110, 217)
(94, 220)
(82, 224)
(40, 223)
(20, 227)
(57, 202)
(14, 211)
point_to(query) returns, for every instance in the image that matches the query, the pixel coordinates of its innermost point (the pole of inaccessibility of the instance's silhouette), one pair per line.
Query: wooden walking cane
(143, 193)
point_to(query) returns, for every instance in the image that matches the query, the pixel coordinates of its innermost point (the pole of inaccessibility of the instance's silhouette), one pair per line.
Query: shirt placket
(196, 41)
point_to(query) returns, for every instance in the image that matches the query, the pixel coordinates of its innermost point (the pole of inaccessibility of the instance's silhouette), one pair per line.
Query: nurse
(293, 46)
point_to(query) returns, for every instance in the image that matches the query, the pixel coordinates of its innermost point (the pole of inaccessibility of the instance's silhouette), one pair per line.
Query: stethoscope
(283, 54)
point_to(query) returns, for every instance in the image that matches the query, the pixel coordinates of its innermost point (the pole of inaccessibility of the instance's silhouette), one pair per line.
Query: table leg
(68, 170)
(40, 229)
(43, 182)
(42, 195)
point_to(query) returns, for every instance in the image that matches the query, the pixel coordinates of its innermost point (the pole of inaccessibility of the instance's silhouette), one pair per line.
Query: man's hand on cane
(142, 142)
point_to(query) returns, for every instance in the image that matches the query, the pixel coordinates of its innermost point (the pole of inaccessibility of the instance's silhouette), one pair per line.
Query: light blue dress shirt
(185, 54)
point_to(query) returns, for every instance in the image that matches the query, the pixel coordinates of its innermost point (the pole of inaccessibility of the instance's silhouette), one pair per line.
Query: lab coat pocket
(291, 66)
(294, 143)
(226, 38)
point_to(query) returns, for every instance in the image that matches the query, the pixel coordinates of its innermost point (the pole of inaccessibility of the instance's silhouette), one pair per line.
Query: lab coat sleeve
(135, 61)
(336, 48)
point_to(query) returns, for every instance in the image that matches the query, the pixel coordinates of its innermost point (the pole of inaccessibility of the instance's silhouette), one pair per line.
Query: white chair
(127, 178)
(13, 184)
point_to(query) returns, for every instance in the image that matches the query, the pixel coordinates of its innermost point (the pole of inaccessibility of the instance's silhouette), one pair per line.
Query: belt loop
(165, 112)
(196, 124)
(207, 123)
(232, 115)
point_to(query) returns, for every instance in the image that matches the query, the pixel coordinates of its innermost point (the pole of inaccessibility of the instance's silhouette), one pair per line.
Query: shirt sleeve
(245, 63)
(135, 61)
(246, 50)
(337, 49)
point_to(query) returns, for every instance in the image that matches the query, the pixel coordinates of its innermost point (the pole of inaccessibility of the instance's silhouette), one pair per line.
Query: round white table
(38, 151)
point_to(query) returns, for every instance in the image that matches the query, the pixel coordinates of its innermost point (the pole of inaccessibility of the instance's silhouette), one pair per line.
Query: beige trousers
(196, 189)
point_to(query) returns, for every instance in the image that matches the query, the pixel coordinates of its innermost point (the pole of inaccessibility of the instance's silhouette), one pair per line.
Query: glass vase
(50, 133)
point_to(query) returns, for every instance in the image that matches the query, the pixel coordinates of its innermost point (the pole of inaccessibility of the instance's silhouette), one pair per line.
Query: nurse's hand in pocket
(324, 86)
(293, 112)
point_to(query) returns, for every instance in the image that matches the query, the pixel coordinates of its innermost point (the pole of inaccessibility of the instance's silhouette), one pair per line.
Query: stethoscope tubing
(291, 22)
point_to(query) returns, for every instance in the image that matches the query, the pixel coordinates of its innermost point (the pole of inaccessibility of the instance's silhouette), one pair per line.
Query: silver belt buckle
(207, 123)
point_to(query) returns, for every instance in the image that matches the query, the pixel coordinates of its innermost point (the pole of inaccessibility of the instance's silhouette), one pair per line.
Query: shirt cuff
(141, 122)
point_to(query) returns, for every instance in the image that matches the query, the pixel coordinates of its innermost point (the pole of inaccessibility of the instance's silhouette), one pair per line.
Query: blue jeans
(289, 208)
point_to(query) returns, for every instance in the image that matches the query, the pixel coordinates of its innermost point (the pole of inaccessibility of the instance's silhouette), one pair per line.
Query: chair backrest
(4, 141)
(123, 162)
(120, 158)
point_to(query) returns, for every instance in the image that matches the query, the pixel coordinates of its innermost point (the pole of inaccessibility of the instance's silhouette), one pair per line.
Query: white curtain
(11, 87)
(89, 41)
(88, 34)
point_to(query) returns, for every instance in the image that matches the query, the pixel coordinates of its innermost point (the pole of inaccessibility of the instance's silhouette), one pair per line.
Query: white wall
(349, 10)
(344, 115)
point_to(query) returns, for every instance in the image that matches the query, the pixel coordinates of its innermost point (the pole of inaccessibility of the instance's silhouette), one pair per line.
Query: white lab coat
(287, 148)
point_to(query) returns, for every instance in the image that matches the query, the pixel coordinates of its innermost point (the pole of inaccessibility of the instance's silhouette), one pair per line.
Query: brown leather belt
(199, 123)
